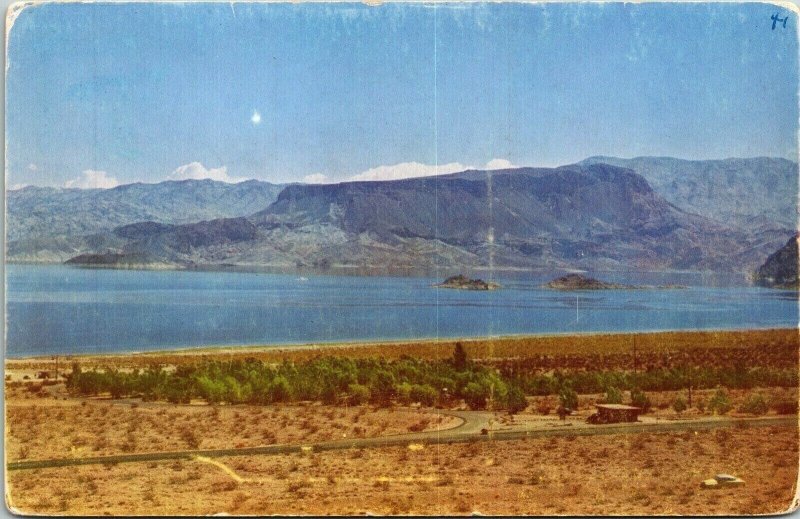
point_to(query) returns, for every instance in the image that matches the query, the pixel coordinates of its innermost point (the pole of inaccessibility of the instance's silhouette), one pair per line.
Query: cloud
(17, 187)
(408, 170)
(33, 167)
(196, 171)
(316, 178)
(416, 169)
(91, 179)
(255, 118)
(499, 164)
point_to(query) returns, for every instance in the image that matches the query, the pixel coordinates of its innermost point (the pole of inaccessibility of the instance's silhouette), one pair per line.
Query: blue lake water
(61, 309)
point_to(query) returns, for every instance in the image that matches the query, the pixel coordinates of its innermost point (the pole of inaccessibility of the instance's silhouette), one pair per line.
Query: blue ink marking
(775, 19)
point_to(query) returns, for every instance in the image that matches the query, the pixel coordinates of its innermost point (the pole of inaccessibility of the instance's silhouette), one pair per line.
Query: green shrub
(679, 405)
(516, 401)
(613, 396)
(403, 392)
(720, 403)
(640, 399)
(755, 404)
(359, 394)
(476, 395)
(568, 398)
(424, 394)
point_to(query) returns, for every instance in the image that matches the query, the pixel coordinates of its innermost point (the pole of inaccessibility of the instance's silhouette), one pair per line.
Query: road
(471, 429)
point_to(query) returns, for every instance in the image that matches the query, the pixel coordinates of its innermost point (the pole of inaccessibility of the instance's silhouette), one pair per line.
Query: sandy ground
(640, 473)
(620, 474)
(50, 426)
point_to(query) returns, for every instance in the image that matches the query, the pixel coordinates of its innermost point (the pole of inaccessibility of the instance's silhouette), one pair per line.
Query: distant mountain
(581, 216)
(51, 224)
(752, 193)
(780, 269)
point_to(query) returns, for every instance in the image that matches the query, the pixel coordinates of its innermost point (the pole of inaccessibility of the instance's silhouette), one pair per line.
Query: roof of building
(618, 407)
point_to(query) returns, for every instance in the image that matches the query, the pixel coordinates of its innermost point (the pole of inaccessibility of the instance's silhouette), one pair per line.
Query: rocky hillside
(780, 269)
(754, 192)
(591, 216)
(50, 224)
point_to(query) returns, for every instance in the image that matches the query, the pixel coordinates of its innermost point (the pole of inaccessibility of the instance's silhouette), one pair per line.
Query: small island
(580, 282)
(462, 282)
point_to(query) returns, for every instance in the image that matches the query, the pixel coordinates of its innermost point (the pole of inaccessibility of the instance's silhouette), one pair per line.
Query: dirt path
(470, 430)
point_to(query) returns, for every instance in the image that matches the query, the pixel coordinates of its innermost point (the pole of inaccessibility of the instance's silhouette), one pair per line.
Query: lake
(66, 310)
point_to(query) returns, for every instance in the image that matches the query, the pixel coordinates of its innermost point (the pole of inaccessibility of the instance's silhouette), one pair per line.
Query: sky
(106, 94)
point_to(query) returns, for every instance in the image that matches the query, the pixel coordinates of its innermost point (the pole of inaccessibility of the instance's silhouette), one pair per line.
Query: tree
(720, 403)
(613, 395)
(640, 399)
(567, 397)
(679, 405)
(359, 394)
(476, 395)
(460, 359)
(424, 394)
(516, 400)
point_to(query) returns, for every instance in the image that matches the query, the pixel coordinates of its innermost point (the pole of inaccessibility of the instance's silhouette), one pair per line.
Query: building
(615, 413)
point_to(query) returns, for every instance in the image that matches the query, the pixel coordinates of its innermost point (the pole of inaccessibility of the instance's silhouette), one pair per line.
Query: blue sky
(99, 94)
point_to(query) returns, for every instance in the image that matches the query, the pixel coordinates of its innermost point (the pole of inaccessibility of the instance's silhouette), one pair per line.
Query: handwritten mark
(775, 20)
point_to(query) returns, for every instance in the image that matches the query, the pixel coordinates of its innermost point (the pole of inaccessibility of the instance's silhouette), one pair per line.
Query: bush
(516, 400)
(613, 396)
(720, 403)
(476, 395)
(640, 399)
(755, 404)
(679, 405)
(424, 394)
(568, 398)
(543, 408)
(359, 394)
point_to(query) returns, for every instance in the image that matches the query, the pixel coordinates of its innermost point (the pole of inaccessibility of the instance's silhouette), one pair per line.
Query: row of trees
(666, 379)
(335, 380)
(330, 380)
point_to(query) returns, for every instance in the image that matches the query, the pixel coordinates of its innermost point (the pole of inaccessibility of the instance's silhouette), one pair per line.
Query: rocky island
(464, 283)
(580, 282)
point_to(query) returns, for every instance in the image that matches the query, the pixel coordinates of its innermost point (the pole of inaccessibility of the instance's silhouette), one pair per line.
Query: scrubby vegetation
(356, 381)
(541, 383)
(330, 380)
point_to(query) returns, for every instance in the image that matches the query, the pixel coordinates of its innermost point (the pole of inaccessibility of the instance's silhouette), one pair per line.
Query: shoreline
(677, 339)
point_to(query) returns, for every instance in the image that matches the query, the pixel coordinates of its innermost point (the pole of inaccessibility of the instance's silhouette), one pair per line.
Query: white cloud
(408, 170)
(17, 187)
(255, 118)
(91, 179)
(33, 167)
(196, 171)
(499, 164)
(316, 178)
(416, 169)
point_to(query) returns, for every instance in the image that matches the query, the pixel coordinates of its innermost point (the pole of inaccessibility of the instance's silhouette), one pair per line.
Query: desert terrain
(558, 470)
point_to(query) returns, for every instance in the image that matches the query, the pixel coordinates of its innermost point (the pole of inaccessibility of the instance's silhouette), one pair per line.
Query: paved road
(469, 430)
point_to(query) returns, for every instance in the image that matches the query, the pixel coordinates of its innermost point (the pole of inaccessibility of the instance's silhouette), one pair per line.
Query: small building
(615, 413)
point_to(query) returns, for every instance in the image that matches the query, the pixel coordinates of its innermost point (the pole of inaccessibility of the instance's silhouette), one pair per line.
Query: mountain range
(51, 224)
(591, 215)
(752, 192)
